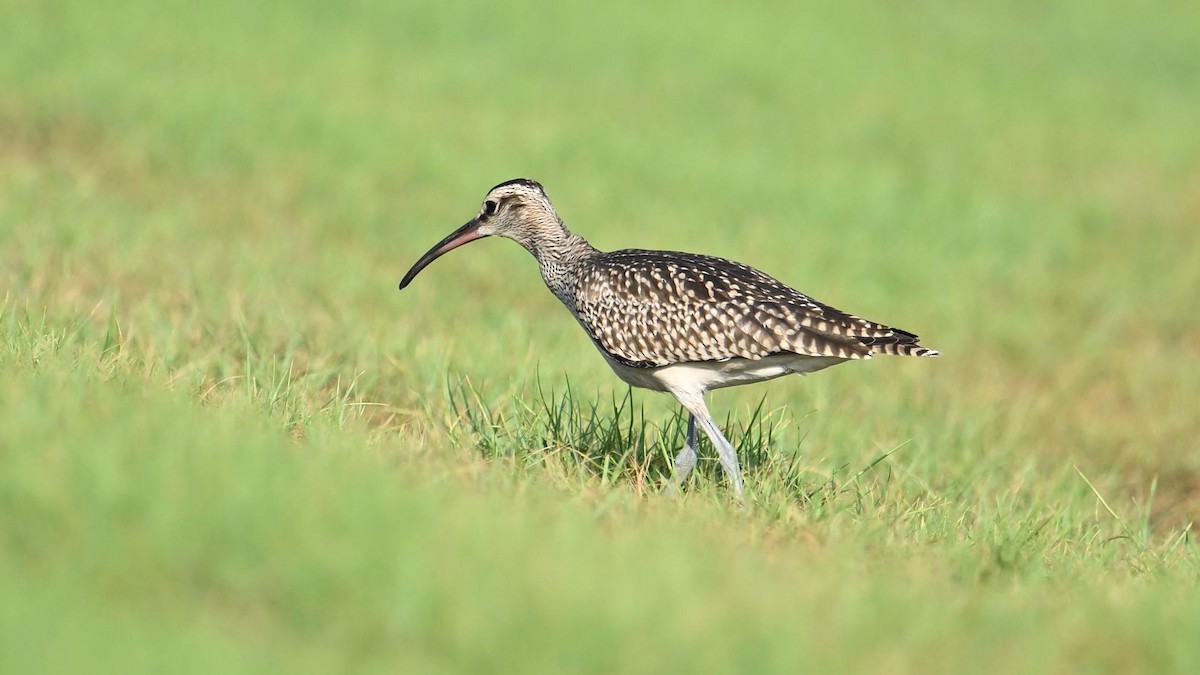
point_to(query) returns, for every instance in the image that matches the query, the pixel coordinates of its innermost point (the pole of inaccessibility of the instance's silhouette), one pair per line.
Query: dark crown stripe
(522, 181)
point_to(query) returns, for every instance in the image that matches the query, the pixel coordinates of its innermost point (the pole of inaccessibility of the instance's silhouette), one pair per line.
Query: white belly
(708, 375)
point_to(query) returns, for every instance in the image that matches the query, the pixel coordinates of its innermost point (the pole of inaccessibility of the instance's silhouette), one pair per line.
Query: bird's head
(517, 209)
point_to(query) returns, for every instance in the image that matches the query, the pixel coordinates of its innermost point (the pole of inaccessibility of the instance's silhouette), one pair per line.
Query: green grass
(228, 444)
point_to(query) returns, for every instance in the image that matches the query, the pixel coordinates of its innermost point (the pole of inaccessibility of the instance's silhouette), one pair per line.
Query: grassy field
(229, 444)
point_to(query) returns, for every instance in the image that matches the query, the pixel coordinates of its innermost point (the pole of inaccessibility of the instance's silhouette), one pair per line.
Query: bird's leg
(725, 451)
(685, 461)
(729, 461)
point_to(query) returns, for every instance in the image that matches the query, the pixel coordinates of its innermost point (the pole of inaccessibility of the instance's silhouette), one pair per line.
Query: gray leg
(693, 401)
(685, 461)
(725, 451)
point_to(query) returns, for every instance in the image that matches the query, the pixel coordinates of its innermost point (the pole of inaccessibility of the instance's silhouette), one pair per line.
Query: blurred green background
(229, 444)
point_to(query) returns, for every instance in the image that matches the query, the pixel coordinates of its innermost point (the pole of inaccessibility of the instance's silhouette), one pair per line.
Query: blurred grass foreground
(228, 444)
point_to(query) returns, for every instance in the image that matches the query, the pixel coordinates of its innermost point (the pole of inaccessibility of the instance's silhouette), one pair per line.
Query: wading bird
(677, 322)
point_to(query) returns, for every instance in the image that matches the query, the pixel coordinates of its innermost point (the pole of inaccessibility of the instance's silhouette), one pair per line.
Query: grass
(227, 443)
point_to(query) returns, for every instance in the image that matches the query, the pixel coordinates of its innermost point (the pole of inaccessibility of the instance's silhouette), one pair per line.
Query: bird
(676, 322)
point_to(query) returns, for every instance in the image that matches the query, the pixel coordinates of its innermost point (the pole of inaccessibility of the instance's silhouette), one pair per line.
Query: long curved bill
(463, 235)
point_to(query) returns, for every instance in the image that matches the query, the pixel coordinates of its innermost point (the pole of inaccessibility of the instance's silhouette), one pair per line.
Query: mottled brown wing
(655, 308)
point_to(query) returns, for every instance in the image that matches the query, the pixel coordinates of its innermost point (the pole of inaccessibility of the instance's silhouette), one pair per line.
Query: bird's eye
(489, 207)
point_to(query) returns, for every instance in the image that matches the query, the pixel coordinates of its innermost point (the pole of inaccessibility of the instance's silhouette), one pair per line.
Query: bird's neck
(560, 254)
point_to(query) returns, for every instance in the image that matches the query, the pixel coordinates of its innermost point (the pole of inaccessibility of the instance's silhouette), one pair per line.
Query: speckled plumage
(678, 322)
(657, 308)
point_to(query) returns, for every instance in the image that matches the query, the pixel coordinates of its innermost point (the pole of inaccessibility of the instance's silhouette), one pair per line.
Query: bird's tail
(897, 343)
(904, 349)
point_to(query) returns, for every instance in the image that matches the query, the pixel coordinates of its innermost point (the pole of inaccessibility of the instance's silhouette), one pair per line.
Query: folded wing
(656, 308)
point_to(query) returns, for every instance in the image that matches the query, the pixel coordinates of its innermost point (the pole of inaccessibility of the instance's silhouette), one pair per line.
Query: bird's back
(657, 308)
